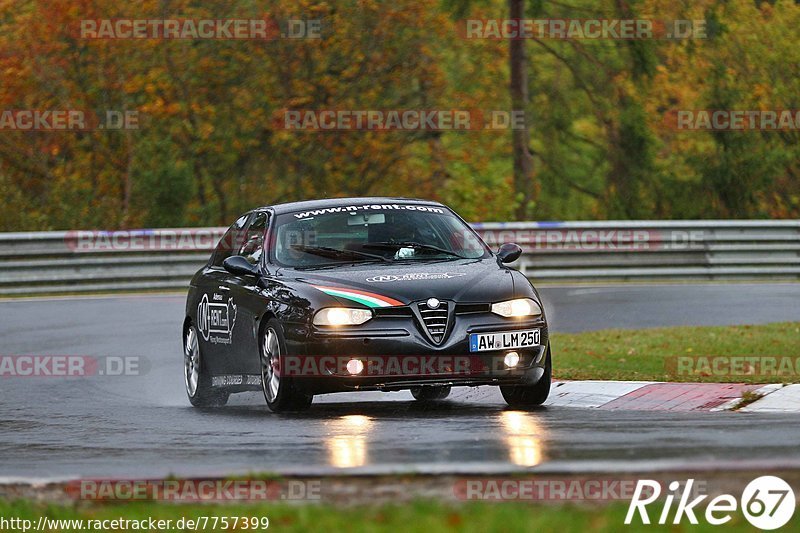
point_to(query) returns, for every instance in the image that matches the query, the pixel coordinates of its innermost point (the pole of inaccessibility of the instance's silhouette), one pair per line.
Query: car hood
(473, 280)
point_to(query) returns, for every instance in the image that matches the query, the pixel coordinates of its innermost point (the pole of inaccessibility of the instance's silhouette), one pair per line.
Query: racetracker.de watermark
(768, 366)
(580, 29)
(144, 240)
(733, 119)
(194, 490)
(68, 120)
(69, 366)
(397, 365)
(587, 239)
(398, 119)
(263, 29)
(567, 489)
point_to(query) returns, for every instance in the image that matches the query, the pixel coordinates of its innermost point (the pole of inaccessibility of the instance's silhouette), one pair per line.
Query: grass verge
(651, 354)
(425, 517)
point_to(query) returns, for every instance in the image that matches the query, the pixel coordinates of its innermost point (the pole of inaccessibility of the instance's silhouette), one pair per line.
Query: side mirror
(239, 266)
(509, 252)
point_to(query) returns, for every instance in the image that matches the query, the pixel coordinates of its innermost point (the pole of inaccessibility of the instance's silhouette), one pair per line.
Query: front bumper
(398, 355)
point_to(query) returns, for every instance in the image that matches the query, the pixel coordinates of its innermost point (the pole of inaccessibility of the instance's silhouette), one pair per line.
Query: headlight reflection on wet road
(347, 448)
(524, 436)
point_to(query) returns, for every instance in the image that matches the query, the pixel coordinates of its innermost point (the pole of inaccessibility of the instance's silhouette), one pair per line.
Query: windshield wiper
(335, 253)
(323, 266)
(415, 246)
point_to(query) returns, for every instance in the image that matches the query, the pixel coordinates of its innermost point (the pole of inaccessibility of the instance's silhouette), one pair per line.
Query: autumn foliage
(207, 146)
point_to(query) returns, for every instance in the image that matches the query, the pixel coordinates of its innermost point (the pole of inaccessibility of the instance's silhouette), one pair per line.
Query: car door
(216, 315)
(246, 294)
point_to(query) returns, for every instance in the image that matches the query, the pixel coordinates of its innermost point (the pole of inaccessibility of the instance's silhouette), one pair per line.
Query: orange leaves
(208, 107)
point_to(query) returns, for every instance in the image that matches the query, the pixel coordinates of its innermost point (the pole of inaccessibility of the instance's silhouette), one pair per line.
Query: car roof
(307, 205)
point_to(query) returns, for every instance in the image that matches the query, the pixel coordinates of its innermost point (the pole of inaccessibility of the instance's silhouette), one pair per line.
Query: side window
(253, 243)
(230, 242)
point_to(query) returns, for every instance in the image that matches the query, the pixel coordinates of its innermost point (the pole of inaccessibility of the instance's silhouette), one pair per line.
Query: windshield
(372, 233)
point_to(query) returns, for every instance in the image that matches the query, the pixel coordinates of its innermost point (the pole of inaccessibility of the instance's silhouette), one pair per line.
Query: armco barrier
(165, 259)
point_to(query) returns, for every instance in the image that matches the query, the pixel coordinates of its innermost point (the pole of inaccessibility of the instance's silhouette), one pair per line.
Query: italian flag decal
(370, 299)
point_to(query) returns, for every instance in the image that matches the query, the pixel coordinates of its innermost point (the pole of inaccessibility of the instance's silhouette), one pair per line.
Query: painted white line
(588, 394)
(783, 400)
(579, 292)
(103, 296)
(653, 283)
(37, 481)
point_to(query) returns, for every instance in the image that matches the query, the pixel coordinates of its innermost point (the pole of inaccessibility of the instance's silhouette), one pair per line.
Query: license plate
(484, 342)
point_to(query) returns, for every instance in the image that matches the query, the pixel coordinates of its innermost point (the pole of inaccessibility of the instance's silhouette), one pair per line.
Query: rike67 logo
(767, 502)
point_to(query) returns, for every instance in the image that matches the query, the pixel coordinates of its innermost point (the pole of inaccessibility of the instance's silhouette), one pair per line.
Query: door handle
(224, 288)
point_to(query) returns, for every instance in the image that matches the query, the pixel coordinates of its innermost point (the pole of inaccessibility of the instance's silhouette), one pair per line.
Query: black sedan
(352, 294)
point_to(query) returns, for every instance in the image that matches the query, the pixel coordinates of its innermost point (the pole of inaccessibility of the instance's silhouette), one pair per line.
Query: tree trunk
(524, 185)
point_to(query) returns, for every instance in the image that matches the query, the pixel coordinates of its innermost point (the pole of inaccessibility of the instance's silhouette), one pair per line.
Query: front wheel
(279, 390)
(530, 395)
(430, 393)
(196, 377)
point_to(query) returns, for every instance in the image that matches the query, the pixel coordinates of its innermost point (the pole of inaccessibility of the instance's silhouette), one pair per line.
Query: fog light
(355, 366)
(512, 359)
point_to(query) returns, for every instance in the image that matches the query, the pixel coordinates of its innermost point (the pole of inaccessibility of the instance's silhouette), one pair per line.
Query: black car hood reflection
(468, 280)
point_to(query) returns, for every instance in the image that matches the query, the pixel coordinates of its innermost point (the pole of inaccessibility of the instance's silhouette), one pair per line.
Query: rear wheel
(530, 395)
(196, 377)
(279, 390)
(430, 393)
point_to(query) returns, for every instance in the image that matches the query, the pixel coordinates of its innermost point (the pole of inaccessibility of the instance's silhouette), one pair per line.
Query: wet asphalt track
(143, 426)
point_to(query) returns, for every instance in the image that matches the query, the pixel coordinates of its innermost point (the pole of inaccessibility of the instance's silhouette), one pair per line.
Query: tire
(195, 376)
(530, 395)
(430, 393)
(280, 392)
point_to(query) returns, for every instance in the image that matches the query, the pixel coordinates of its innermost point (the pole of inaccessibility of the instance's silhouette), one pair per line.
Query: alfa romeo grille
(435, 320)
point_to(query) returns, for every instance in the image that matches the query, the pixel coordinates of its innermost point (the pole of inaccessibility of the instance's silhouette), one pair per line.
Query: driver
(291, 237)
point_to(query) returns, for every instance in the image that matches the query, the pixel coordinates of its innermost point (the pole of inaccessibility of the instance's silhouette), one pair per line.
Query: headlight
(518, 307)
(341, 316)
